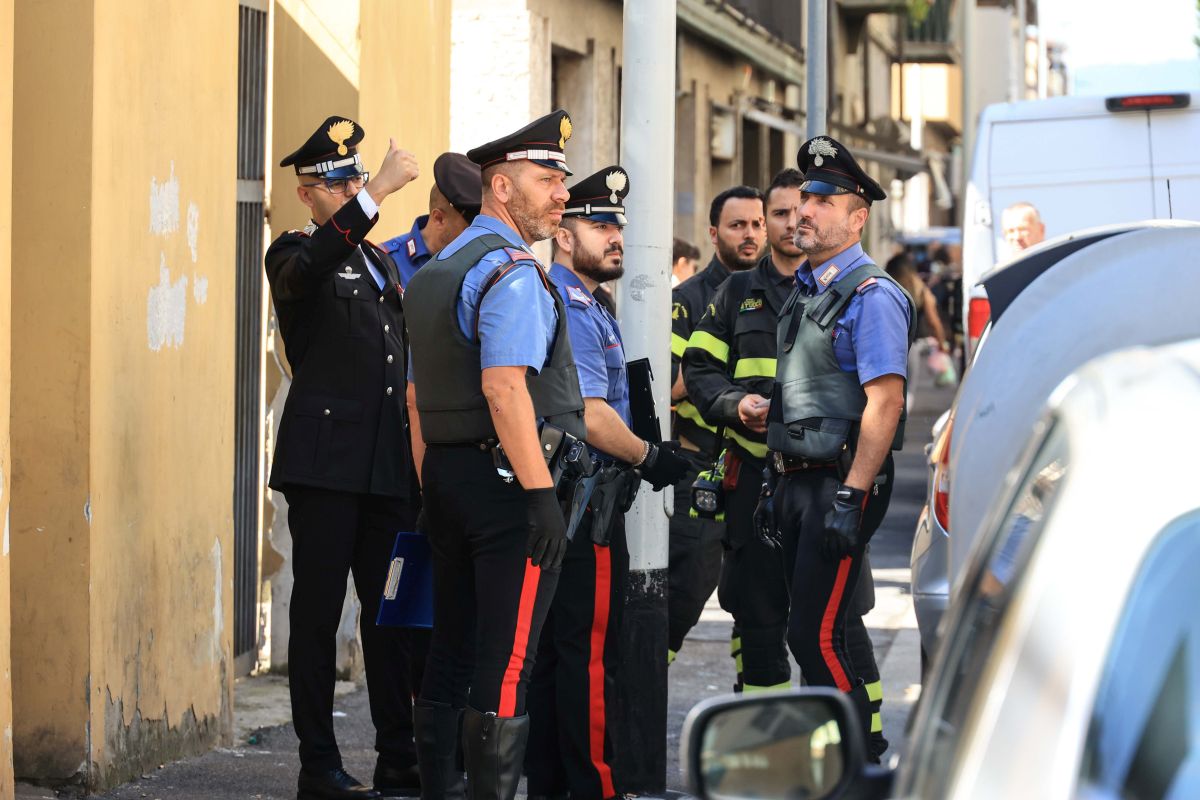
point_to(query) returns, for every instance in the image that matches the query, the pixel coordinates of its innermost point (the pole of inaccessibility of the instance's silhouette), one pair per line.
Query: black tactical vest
(816, 405)
(446, 365)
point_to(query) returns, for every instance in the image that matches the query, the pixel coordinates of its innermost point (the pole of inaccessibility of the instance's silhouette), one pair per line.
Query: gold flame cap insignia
(339, 132)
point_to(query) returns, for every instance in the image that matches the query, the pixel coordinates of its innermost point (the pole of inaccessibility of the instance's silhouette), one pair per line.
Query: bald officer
(836, 413)
(453, 203)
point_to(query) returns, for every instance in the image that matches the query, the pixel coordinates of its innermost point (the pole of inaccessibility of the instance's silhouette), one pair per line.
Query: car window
(1143, 740)
(987, 593)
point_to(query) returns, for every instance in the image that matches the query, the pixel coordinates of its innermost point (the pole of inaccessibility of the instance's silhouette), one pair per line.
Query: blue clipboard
(408, 591)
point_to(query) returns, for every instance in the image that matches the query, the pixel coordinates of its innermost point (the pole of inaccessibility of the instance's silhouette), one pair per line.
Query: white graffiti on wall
(166, 309)
(164, 204)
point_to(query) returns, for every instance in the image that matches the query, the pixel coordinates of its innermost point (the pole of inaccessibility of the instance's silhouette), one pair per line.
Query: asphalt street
(261, 763)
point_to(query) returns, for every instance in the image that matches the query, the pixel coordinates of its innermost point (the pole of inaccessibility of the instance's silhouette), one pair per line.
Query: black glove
(843, 523)
(662, 467)
(547, 542)
(764, 512)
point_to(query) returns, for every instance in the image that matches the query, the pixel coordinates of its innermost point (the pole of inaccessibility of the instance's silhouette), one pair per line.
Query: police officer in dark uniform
(694, 560)
(730, 373)
(492, 358)
(340, 454)
(453, 203)
(573, 685)
(836, 414)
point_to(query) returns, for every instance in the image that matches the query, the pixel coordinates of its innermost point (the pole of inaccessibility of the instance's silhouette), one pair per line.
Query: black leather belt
(784, 464)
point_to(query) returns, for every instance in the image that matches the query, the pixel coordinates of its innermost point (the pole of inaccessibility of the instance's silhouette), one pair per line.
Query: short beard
(731, 259)
(591, 264)
(824, 240)
(535, 223)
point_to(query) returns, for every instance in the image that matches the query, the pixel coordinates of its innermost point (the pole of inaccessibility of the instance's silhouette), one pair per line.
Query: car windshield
(994, 578)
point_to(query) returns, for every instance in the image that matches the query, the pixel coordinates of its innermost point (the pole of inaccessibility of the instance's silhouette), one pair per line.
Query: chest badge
(828, 275)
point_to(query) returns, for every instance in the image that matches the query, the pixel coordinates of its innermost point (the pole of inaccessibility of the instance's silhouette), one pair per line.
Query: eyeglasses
(342, 185)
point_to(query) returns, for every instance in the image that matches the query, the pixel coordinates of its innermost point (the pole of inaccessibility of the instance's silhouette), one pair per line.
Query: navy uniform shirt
(408, 251)
(871, 336)
(596, 343)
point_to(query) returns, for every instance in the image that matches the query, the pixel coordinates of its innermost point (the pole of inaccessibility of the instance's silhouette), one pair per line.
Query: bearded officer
(453, 203)
(836, 414)
(573, 685)
(340, 458)
(491, 359)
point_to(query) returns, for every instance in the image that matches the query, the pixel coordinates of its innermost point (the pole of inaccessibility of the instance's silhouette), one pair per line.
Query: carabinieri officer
(836, 413)
(573, 685)
(453, 203)
(491, 358)
(341, 455)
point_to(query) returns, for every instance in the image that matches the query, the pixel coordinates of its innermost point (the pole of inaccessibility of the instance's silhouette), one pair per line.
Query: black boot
(494, 748)
(436, 726)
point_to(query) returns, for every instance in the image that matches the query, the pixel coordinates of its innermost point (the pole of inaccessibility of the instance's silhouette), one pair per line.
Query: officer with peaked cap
(836, 413)
(453, 203)
(340, 458)
(491, 361)
(572, 689)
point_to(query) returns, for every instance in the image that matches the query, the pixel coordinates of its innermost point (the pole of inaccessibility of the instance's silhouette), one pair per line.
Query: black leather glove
(764, 512)
(662, 466)
(547, 542)
(843, 523)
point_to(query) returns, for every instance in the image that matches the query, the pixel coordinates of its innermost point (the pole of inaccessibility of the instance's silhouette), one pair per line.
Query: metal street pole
(816, 112)
(644, 303)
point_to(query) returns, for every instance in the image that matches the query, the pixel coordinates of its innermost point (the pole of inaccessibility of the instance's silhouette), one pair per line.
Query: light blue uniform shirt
(595, 343)
(517, 318)
(871, 336)
(408, 251)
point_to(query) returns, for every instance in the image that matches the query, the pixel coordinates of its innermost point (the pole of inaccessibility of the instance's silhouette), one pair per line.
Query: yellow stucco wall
(123, 345)
(6, 43)
(50, 422)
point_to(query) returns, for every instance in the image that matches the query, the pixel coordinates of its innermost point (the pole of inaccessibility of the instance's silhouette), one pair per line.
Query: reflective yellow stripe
(678, 345)
(753, 448)
(671, 657)
(703, 340)
(876, 723)
(688, 411)
(875, 691)
(749, 687)
(754, 368)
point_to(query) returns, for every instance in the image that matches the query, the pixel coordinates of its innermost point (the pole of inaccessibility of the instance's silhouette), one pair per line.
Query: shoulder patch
(577, 295)
(751, 304)
(867, 284)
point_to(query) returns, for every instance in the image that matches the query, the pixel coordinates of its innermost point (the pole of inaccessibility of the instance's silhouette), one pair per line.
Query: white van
(1083, 162)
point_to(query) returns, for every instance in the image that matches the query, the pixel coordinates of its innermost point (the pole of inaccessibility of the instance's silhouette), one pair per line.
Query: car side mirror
(778, 746)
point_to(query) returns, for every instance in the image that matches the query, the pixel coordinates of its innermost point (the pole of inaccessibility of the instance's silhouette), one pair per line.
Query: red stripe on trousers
(512, 675)
(596, 708)
(835, 599)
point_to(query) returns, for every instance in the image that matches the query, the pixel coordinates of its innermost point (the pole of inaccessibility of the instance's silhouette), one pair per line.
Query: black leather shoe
(333, 784)
(397, 781)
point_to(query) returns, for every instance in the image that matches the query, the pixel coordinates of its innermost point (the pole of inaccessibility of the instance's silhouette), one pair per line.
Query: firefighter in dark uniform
(695, 543)
(453, 203)
(836, 414)
(573, 684)
(341, 458)
(730, 373)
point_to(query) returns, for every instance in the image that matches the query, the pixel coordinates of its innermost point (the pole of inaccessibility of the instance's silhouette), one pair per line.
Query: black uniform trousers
(573, 689)
(335, 533)
(823, 591)
(694, 556)
(489, 601)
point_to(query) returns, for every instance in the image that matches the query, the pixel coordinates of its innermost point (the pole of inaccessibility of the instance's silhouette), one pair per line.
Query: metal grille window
(253, 31)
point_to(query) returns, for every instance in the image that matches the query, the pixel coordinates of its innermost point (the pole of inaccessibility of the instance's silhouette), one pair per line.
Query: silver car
(1070, 665)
